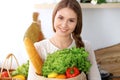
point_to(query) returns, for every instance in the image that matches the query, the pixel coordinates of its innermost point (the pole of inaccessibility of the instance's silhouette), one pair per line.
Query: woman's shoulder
(87, 45)
(86, 42)
(44, 41)
(44, 44)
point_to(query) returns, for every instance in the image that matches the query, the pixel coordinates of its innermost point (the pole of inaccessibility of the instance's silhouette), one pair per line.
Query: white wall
(100, 26)
(15, 17)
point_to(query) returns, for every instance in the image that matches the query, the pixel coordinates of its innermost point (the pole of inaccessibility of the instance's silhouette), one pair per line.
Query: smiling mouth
(63, 30)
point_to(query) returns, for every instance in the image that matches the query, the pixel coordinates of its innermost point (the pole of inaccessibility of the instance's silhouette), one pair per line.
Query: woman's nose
(64, 24)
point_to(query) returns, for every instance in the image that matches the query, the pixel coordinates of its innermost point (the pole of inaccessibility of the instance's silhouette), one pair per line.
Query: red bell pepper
(4, 74)
(72, 72)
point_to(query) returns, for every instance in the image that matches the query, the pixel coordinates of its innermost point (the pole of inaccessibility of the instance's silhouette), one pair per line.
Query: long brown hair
(75, 6)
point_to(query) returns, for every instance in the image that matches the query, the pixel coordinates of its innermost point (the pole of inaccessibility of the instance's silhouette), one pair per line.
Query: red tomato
(4, 74)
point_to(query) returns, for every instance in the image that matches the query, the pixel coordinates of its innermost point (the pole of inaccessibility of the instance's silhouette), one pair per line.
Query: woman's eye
(71, 20)
(60, 18)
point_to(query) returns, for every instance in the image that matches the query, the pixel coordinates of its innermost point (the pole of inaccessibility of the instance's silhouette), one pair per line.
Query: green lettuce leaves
(60, 60)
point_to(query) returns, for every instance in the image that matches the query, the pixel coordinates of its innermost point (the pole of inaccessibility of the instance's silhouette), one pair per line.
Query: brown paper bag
(81, 76)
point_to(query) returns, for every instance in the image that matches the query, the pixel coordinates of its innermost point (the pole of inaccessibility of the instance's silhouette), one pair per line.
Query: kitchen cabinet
(103, 5)
(83, 5)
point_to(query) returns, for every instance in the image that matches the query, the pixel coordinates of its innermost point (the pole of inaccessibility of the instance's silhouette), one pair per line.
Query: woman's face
(65, 21)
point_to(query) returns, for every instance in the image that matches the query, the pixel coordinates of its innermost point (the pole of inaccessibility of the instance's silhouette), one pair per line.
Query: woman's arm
(94, 73)
(31, 73)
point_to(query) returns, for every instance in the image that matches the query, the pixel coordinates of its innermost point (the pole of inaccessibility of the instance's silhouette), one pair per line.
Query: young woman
(67, 25)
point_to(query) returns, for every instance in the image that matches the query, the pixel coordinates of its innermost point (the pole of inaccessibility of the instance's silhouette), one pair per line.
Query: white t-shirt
(45, 47)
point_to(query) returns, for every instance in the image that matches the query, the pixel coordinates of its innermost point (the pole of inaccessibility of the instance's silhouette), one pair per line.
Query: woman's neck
(61, 42)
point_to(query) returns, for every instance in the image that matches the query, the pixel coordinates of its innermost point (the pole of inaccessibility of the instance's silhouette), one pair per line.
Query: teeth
(63, 30)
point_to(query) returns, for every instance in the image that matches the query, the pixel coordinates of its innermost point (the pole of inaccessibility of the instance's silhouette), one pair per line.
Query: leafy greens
(60, 60)
(22, 70)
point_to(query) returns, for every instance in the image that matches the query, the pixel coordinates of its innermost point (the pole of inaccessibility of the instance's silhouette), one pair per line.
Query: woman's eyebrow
(73, 18)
